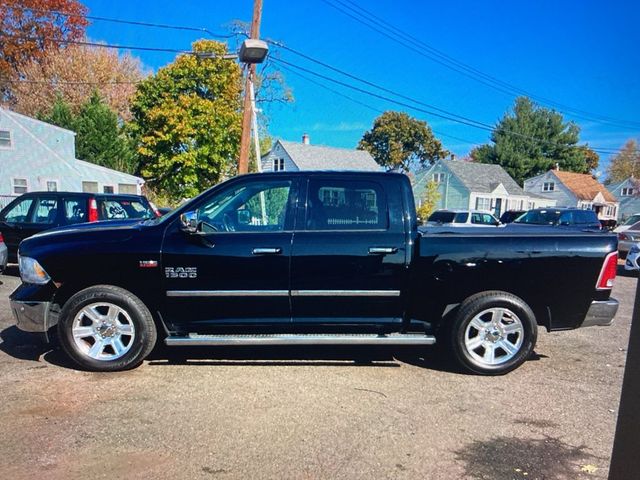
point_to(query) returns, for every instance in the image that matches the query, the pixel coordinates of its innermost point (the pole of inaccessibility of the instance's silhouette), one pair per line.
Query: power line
(107, 45)
(366, 105)
(121, 21)
(452, 117)
(403, 38)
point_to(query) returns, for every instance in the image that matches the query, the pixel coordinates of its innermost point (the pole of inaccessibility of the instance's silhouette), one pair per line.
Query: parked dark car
(568, 218)
(510, 215)
(35, 212)
(310, 258)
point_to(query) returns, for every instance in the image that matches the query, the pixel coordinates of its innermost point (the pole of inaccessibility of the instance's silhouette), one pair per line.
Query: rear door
(348, 257)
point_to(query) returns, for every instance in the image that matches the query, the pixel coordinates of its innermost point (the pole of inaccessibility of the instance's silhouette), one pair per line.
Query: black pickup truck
(309, 258)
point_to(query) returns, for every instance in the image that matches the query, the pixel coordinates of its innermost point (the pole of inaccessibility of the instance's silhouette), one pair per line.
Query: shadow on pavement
(22, 345)
(509, 457)
(12, 271)
(626, 273)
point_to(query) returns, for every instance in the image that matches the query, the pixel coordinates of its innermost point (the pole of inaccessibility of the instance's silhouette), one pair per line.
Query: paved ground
(313, 413)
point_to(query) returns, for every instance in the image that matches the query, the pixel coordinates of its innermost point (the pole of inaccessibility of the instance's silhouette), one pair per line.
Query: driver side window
(252, 207)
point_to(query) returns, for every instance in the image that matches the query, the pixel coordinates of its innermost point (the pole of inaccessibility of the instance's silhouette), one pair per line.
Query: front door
(348, 259)
(235, 268)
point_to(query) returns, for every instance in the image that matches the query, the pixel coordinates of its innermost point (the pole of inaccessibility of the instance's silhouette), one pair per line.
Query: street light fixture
(253, 51)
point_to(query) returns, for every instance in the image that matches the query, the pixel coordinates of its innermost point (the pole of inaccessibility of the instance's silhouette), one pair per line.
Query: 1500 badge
(181, 272)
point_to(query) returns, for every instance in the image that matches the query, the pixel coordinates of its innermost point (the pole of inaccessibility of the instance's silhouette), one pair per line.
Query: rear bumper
(601, 313)
(31, 316)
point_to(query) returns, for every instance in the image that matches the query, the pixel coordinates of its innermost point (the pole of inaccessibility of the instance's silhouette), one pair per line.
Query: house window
(107, 189)
(5, 139)
(52, 185)
(127, 188)
(483, 203)
(278, 164)
(19, 186)
(438, 177)
(548, 186)
(90, 187)
(627, 192)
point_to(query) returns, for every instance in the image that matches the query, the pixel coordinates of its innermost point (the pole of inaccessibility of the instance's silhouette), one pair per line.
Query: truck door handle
(382, 250)
(267, 251)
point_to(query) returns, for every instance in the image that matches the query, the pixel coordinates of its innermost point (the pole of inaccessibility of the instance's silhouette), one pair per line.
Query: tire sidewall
(143, 340)
(473, 306)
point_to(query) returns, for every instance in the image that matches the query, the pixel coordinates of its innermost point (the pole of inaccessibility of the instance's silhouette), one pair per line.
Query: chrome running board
(301, 339)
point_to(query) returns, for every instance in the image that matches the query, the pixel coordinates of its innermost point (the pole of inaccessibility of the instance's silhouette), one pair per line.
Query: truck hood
(104, 226)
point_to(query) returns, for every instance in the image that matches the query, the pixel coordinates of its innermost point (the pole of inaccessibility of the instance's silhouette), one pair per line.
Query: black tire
(482, 305)
(141, 343)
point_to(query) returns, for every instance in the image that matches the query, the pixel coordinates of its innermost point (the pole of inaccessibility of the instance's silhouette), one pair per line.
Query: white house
(292, 156)
(627, 193)
(579, 190)
(37, 156)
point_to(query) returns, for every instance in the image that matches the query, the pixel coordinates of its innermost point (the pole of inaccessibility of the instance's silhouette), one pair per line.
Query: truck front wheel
(493, 333)
(106, 328)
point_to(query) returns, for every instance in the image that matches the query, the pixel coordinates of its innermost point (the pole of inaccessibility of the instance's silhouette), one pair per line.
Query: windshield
(632, 219)
(442, 217)
(540, 217)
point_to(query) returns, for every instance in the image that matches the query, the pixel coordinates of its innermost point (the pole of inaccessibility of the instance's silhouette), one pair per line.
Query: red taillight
(608, 272)
(623, 236)
(1, 238)
(93, 210)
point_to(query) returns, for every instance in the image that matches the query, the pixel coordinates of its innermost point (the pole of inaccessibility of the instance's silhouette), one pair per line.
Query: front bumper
(32, 316)
(601, 313)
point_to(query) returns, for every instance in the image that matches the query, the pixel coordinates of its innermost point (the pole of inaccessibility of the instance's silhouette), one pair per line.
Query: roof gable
(583, 185)
(483, 177)
(316, 157)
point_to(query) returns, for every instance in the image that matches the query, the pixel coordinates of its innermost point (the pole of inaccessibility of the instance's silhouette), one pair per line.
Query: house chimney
(557, 169)
(305, 138)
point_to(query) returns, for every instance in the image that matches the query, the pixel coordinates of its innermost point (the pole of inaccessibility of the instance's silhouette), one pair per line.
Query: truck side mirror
(189, 221)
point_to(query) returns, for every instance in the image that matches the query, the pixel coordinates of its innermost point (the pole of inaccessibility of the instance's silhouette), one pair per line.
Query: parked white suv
(462, 218)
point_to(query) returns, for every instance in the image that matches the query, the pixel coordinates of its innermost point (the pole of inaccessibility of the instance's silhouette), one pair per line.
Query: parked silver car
(632, 263)
(3, 254)
(628, 237)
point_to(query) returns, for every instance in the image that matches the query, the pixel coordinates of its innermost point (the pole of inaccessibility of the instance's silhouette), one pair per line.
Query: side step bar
(301, 339)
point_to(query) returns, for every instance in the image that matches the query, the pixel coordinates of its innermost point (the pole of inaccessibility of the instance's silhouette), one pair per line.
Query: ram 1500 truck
(309, 258)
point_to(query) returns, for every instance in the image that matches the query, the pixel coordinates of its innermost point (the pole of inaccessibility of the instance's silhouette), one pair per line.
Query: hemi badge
(148, 263)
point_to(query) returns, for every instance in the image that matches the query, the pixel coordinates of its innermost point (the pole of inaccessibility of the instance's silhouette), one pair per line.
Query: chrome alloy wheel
(103, 331)
(494, 336)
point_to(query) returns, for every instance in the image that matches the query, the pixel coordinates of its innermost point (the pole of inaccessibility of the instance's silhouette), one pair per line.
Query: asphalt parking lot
(313, 412)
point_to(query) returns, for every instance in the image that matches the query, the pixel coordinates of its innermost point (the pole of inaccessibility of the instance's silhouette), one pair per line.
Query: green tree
(530, 140)
(99, 138)
(625, 164)
(429, 200)
(398, 141)
(60, 114)
(187, 122)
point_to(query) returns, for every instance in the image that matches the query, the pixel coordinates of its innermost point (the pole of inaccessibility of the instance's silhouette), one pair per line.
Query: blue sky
(582, 54)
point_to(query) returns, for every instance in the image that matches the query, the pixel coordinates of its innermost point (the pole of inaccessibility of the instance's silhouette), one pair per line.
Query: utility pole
(245, 140)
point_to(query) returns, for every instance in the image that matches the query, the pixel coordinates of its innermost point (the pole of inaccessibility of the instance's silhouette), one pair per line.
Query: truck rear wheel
(106, 328)
(493, 333)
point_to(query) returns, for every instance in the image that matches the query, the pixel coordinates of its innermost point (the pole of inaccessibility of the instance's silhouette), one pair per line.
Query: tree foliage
(99, 138)
(429, 201)
(187, 122)
(625, 164)
(74, 74)
(398, 141)
(31, 30)
(531, 140)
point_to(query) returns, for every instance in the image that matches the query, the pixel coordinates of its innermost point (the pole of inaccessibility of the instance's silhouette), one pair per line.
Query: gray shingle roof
(316, 157)
(482, 177)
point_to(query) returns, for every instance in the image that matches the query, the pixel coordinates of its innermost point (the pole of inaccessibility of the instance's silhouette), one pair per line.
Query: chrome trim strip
(302, 339)
(345, 293)
(227, 293)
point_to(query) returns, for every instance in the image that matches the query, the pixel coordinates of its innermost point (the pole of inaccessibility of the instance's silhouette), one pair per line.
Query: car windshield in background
(123, 209)
(631, 220)
(540, 217)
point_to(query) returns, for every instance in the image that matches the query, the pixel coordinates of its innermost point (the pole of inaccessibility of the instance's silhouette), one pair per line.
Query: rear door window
(19, 213)
(45, 211)
(346, 205)
(113, 208)
(461, 218)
